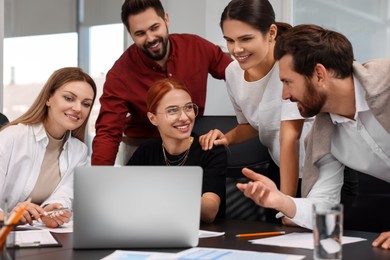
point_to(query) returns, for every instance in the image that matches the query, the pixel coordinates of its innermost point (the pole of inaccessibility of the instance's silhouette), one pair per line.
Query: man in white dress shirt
(351, 102)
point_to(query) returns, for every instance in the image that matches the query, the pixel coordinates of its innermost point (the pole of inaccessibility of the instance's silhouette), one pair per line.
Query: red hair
(159, 89)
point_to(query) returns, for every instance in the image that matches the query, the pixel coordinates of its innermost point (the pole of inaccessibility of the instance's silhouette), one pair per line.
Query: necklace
(178, 162)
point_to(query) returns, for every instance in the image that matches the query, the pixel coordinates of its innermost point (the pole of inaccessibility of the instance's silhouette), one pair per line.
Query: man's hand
(382, 241)
(264, 192)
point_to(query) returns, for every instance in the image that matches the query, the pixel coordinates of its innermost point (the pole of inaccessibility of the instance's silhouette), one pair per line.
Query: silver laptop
(137, 206)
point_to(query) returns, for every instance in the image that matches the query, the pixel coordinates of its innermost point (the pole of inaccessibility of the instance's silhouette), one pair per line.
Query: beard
(312, 102)
(160, 54)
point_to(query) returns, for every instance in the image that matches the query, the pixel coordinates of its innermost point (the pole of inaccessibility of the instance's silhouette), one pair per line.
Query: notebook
(137, 206)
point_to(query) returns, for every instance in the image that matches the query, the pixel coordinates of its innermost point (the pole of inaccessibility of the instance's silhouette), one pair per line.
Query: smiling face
(300, 89)
(150, 33)
(68, 107)
(249, 46)
(173, 129)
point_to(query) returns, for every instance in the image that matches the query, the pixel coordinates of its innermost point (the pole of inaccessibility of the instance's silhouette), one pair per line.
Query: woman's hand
(33, 211)
(213, 137)
(57, 219)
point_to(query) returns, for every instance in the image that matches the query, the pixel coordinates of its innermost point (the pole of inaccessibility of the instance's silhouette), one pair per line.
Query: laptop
(137, 206)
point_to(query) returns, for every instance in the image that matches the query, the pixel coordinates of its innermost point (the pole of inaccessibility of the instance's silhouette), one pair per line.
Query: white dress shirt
(22, 148)
(362, 144)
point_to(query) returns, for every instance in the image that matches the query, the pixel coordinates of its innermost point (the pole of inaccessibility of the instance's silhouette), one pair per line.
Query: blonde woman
(40, 150)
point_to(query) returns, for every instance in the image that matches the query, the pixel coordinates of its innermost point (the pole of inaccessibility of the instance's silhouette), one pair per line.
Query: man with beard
(352, 125)
(155, 54)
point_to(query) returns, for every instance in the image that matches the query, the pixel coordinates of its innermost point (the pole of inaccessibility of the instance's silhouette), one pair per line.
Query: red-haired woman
(172, 111)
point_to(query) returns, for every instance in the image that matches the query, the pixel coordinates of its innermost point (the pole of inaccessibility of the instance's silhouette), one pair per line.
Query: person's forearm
(289, 167)
(240, 134)
(290, 133)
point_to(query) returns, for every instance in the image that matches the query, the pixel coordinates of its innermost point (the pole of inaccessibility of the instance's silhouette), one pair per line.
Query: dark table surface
(359, 250)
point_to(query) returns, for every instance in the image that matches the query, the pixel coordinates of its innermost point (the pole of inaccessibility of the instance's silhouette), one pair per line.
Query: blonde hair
(38, 111)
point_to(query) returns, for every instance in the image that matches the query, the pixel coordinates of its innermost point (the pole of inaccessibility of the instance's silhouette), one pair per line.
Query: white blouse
(260, 104)
(22, 148)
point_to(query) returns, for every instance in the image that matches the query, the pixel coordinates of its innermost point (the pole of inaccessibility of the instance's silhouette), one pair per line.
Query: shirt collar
(41, 136)
(360, 104)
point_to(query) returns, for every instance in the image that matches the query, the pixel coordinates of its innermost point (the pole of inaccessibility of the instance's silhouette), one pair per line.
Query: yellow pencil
(262, 234)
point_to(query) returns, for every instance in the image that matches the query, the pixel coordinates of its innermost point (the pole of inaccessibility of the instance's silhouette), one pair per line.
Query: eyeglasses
(174, 112)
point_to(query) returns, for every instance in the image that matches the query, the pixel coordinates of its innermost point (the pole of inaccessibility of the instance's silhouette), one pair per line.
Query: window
(106, 45)
(365, 23)
(28, 63)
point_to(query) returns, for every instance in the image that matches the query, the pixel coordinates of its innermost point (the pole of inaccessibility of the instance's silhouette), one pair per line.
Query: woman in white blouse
(255, 90)
(40, 150)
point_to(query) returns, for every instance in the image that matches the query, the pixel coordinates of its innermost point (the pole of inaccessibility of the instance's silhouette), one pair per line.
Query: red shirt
(123, 103)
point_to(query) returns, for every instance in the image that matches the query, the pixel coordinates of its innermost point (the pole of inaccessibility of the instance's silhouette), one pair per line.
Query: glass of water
(327, 230)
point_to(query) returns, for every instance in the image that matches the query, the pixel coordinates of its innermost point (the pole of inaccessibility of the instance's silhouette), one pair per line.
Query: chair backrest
(3, 120)
(251, 154)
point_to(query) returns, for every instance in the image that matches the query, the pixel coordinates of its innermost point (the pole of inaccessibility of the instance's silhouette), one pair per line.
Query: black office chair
(368, 210)
(3, 120)
(251, 154)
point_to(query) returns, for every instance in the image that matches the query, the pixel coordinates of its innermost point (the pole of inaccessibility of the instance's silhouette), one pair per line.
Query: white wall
(201, 17)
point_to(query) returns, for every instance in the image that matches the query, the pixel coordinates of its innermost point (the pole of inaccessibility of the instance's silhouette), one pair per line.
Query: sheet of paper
(299, 240)
(34, 237)
(138, 255)
(66, 228)
(227, 254)
(201, 253)
(206, 233)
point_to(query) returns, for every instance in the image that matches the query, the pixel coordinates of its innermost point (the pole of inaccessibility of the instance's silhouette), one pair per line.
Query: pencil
(262, 234)
(12, 220)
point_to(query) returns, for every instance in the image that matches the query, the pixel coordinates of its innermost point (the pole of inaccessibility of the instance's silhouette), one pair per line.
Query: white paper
(34, 237)
(206, 233)
(202, 253)
(299, 240)
(330, 245)
(138, 255)
(66, 228)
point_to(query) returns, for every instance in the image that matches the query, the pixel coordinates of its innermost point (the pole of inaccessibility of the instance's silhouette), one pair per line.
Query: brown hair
(159, 89)
(133, 7)
(38, 111)
(257, 13)
(311, 44)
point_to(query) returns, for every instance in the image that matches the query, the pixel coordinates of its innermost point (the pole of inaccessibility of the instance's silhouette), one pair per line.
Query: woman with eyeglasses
(171, 110)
